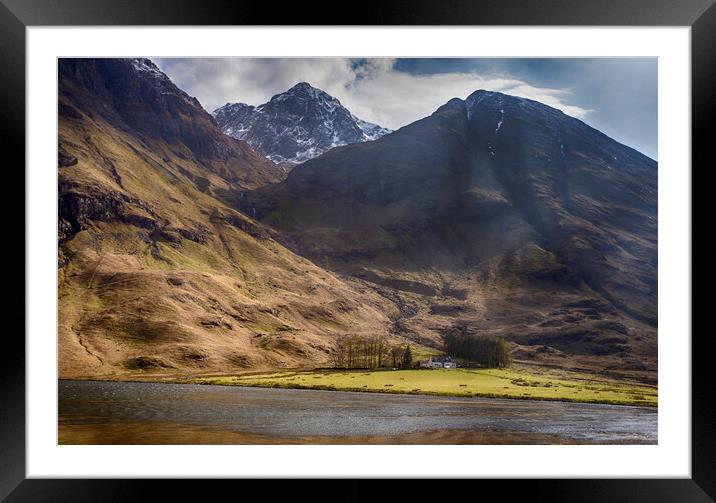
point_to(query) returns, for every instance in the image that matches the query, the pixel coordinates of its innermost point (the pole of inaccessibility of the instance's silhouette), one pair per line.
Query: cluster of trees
(358, 352)
(484, 350)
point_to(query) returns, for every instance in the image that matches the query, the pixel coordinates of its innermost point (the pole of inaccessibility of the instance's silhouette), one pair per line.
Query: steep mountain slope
(497, 215)
(156, 271)
(295, 126)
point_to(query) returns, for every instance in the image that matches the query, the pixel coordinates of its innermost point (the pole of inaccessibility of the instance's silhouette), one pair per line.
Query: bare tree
(396, 353)
(340, 352)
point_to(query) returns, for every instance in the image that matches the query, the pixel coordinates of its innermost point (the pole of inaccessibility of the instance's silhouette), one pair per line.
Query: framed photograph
(433, 242)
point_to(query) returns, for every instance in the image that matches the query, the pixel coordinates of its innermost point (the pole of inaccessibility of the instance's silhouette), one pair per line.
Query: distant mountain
(497, 215)
(295, 126)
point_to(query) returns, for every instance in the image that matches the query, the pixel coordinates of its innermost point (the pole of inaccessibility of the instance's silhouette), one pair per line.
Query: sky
(617, 96)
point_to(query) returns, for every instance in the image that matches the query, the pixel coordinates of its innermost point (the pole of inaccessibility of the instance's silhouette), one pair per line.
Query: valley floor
(517, 382)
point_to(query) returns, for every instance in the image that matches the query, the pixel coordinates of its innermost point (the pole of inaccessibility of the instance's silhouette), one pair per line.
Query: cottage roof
(440, 359)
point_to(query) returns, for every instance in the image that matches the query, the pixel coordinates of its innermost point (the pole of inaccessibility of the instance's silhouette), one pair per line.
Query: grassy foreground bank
(517, 382)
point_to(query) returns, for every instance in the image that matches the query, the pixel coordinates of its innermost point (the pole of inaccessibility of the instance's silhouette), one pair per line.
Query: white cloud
(394, 99)
(372, 89)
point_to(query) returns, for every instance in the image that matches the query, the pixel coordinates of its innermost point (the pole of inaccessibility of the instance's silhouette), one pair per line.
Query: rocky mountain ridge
(297, 125)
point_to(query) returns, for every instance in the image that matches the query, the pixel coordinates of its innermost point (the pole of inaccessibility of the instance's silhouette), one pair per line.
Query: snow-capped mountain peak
(296, 125)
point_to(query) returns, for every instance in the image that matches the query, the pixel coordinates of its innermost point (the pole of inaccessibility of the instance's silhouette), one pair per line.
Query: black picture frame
(17, 15)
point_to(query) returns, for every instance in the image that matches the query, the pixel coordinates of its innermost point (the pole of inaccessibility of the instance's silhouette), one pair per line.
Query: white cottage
(440, 362)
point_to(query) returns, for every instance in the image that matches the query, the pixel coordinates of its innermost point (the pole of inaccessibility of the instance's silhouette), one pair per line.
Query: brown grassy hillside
(156, 273)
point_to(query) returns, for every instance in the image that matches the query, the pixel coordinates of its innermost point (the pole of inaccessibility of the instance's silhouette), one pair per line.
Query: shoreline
(318, 387)
(427, 393)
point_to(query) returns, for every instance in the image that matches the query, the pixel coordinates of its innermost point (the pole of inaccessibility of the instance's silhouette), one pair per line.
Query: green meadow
(519, 382)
